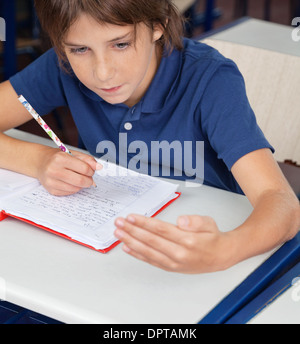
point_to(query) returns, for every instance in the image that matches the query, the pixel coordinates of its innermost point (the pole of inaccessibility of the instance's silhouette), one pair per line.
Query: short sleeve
(227, 118)
(40, 83)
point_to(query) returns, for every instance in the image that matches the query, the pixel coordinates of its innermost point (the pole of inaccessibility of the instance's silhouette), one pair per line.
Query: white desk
(74, 284)
(261, 34)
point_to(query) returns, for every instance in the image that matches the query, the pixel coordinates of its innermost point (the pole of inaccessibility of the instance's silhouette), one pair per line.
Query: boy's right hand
(63, 174)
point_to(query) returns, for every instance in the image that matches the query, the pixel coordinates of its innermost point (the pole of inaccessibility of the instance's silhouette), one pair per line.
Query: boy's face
(108, 61)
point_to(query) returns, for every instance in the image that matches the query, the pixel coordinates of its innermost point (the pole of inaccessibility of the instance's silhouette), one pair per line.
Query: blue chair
(295, 8)
(241, 8)
(205, 19)
(8, 10)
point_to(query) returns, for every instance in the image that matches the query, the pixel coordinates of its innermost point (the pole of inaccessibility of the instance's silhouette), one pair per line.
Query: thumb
(196, 223)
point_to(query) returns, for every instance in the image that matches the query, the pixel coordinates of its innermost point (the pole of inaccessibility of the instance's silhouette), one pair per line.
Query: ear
(158, 32)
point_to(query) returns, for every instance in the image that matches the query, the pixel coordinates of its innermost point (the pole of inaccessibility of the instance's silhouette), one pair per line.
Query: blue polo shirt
(193, 123)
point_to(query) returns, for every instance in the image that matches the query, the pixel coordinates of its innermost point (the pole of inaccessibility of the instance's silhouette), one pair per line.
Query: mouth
(111, 90)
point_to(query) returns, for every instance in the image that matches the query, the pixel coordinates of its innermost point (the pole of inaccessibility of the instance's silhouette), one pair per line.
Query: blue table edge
(268, 296)
(270, 271)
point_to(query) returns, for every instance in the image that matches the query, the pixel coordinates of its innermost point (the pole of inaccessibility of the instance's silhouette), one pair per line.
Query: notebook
(87, 217)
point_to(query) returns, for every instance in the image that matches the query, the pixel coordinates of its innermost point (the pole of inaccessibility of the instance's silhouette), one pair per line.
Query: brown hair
(56, 17)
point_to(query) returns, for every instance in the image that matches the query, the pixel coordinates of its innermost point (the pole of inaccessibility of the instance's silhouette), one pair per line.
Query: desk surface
(261, 34)
(74, 284)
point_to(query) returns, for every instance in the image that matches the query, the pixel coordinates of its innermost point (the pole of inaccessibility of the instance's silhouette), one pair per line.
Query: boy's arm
(15, 155)
(276, 215)
(196, 245)
(60, 173)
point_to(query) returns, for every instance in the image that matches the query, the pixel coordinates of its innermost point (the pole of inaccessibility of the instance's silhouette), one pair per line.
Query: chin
(115, 100)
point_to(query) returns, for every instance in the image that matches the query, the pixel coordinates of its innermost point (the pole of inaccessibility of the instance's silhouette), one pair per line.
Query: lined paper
(89, 215)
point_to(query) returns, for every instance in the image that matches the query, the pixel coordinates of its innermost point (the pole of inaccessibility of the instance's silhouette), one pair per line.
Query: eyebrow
(120, 38)
(70, 44)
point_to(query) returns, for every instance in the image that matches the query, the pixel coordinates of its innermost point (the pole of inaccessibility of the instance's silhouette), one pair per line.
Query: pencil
(44, 125)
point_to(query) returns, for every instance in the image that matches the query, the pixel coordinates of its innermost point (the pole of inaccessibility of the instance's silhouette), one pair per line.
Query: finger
(77, 180)
(81, 167)
(146, 253)
(88, 160)
(163, 229)
(166, 265)
(195, 223)
(69, 177)
(58, 188)
(62, 161)
(135, 236)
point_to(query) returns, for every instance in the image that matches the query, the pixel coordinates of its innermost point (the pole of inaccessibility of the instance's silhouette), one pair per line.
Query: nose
(104, 69)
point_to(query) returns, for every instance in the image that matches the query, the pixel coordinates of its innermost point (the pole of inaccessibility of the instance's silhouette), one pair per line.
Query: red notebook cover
(4, 215)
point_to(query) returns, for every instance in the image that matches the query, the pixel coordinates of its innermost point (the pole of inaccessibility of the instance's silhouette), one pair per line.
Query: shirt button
(128, 126)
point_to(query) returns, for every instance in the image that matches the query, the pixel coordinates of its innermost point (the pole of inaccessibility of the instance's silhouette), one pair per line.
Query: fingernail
(126, 248)
(120, 223)
(119, 234)
(183, 221)
(130, 219)
(98, 167)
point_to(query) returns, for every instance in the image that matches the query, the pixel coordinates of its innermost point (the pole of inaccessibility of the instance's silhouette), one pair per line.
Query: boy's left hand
(195, 245)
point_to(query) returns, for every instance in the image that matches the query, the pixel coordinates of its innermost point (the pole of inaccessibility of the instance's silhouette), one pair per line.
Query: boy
(123, 69)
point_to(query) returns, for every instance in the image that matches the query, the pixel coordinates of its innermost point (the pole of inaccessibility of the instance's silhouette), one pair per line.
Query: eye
(81, 50)
(123, 46)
